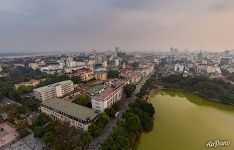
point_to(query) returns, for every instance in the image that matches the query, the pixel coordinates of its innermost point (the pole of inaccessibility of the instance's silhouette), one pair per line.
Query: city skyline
(56, 25)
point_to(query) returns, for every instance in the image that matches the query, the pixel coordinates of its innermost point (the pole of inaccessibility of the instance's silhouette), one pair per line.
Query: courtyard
(7, 134)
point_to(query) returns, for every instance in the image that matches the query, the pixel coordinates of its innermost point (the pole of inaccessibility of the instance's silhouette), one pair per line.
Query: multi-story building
(179, 68)
(53, 90)
(100, 75)
(109, 95)
(76, 115)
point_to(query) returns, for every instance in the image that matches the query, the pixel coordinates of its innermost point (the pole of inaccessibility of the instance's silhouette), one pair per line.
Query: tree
(10, 109)
(76, 80)
(133, 123)
(94, 130)
(83, 100)
(38, 131)
(110, 112)
(102, 120)
(48, 137)
(23, 132)
(41, 120)
(129, 89)
(21, 124)
(113, 74)
(21, 109)
(86, 138)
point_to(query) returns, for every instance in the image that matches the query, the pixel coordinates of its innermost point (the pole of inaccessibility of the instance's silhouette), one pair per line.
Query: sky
(79, 25)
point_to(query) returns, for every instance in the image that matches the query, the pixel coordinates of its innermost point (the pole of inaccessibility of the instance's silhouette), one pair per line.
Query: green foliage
(57, 135)
(25, 89)
(94, 130)
(21, 124)
(23, 132)
(30, 104)
(42, 119)
(86, 138)
(129, 89)
(54, 79)
(138, 118)
(202, 85)
(83, 100)
(48, 137)
(96, 127)
(38, 131)
(147, 86)
(110, 112)
(113, 74)
(21, 110)
(133, 123)
(76, 80)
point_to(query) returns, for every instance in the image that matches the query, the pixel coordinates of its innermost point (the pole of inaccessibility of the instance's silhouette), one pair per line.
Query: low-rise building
(100, 75)
(109, 95)
(130, 75)
(214, 69)
(53, 90)
(84, 74)
(146, 69)
(34, 66)
(65, 111)
(29, 83)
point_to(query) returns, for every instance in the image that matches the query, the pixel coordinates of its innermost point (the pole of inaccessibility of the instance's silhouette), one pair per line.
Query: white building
(117, 62)
(76, 115)
(34, 66)
(108, 96)
(72, 64)
(53, 90)
(105, 63)
(179, 68)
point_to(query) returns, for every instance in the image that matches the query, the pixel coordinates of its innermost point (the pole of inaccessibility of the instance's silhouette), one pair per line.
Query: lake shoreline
(182, 90)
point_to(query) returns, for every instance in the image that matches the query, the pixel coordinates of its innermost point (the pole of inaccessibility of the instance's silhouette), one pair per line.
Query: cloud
(134, 24)
(222, 5)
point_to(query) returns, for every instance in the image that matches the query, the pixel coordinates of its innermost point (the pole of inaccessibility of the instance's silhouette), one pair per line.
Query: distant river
(185, 121)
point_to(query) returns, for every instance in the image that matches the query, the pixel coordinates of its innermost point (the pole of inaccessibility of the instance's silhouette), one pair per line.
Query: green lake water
(185, 121)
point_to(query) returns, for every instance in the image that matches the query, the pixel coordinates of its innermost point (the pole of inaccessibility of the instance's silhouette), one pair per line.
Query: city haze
(58, 25)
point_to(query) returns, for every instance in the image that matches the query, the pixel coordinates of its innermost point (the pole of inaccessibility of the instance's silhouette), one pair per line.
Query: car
(116, 114)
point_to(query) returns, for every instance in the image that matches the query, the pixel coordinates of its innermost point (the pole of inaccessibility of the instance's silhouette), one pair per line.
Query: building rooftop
(110, 89)
(72, 109)
(95, 88)
(44, 88)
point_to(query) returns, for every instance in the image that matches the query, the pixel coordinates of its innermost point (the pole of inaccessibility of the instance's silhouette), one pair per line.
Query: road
(96, 142)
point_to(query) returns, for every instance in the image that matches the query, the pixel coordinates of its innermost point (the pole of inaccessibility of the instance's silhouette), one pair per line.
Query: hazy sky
(41, 25)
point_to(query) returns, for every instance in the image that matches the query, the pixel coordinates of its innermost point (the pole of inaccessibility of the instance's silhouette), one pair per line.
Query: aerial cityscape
(116, 75)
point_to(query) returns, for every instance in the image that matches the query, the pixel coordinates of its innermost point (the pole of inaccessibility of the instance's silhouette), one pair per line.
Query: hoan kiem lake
(185, 121)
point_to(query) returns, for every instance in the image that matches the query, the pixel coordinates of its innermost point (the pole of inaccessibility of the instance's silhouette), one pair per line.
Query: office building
(109, 95)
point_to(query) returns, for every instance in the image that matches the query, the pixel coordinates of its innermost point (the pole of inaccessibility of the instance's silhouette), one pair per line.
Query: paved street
(27, 143)
(96, 143)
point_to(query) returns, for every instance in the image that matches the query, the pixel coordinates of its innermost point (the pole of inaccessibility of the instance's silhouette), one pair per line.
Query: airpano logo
(218, 143)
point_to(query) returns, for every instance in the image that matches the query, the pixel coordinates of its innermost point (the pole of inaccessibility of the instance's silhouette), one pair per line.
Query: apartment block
(53, 90)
